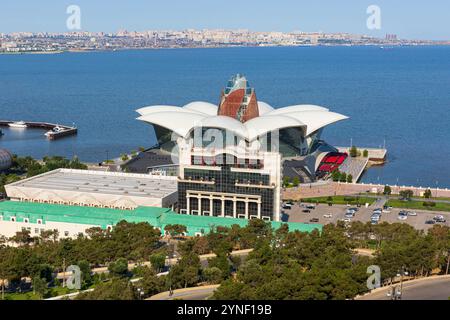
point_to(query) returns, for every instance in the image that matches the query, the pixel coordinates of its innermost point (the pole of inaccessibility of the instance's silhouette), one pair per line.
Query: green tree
(119, 268)
(213, 275)
(336, 176)
(387, 190)
(296, 181)
(353, 152)
(286, 181)
(175, 230)
(349, 178)
(365, 153)
(40, 287)
(427, 194)
(116, 289)
(343, 177)
(157, 261)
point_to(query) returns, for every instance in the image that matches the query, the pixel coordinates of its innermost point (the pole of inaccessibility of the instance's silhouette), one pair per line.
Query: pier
(64, 132)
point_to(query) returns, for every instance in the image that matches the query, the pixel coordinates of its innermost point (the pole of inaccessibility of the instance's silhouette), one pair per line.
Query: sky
(408, 19)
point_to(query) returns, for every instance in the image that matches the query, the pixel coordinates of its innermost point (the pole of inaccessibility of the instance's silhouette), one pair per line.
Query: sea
(395, 97)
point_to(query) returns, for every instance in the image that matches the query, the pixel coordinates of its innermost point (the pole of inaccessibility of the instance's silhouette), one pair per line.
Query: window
(36, 230)
(26, 220)
(183, 211)
(39, 221)
(13, 219)
(66, 233)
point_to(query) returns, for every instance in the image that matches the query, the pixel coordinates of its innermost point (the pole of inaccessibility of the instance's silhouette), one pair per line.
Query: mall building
(232, 156)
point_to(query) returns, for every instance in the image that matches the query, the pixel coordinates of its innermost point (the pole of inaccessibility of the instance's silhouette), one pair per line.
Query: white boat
(55, 130)
(19, 124)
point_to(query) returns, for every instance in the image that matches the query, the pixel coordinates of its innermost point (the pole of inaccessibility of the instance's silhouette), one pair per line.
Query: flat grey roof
(137, 185)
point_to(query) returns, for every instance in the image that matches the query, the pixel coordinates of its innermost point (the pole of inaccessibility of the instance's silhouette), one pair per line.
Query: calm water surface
(400, 96)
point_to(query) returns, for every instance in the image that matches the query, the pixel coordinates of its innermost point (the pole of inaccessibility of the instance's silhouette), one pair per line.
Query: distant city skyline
(427, 21)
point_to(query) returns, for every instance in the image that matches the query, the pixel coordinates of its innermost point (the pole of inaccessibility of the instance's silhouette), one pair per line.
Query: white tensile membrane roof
(182, 120)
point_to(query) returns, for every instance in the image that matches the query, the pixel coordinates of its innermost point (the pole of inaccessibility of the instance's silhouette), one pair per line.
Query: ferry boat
(19, 124)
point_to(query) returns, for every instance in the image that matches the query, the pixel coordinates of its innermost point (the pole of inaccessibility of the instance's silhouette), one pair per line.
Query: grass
(341, 200)
(53, 292)
(418, 205)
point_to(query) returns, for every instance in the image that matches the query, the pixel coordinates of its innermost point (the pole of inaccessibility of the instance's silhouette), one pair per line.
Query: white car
(328, 216)
(402, 217)
(347, 220)
(412, 213)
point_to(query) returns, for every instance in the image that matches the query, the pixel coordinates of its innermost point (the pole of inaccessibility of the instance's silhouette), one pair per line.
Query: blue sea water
(400, 96)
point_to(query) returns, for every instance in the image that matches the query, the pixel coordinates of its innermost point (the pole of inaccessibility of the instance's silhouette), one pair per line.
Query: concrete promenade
(342, 189)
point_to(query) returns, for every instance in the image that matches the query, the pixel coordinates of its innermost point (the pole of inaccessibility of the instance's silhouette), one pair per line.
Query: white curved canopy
(225, 123)
(203, 107)
(259, 126)
(315, 120)
(182, 120)
(297, 108)
(264, 108)
(154, 109)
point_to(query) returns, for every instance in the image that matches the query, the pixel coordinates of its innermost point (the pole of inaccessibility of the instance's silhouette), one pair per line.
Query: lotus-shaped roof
(182, 120)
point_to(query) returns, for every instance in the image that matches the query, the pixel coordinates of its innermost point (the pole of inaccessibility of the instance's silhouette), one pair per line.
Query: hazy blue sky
(409, 19)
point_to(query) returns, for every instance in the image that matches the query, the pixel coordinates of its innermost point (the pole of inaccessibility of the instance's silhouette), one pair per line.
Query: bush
(387, 190)
(366, 154)
(429, 204)
(353, 152)
(349, 178)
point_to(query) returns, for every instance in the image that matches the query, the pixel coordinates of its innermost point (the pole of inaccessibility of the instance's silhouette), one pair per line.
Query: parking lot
(337, 212)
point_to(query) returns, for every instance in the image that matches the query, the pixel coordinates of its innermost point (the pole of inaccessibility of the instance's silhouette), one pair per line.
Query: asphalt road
(197, 293)
(338, 212)
(434, 288)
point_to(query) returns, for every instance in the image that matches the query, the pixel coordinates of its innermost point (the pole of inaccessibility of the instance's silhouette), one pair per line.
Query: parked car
(412, 213)
(287, 206)
(314, 220)
(310, 207)
(439, 219)
(402, 217)
(328, 216)
(306, 211)
(430, 222)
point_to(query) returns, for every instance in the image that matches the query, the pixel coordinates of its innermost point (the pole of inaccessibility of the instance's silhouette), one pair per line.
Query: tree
(158, 261)
(427, 194)
(336, 176)
(119, 268)
(387, 190)
(151, 283)
(221, 262)
(86, 274)
(296, 181)
(343, 177)
(349, 178)
(175, 230)
(286, 181)
(406, 194)
(116, 289)
(186, 272)
(40, 286)
(365, 153)
(213, 275)
(353, 152)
